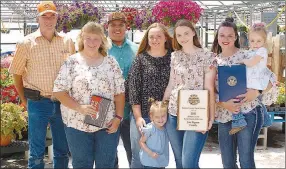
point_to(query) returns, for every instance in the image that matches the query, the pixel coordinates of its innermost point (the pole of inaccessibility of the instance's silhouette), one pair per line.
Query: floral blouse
(188, 73)
(222, 115)
(82, 81)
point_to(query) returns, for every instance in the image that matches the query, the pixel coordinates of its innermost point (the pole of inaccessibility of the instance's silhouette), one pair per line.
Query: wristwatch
(119, 117)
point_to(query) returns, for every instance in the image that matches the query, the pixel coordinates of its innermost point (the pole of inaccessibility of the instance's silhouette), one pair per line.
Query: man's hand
(24, 103)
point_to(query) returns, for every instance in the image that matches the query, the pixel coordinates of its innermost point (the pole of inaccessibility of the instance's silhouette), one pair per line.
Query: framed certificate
(193, 108)
(231, 81)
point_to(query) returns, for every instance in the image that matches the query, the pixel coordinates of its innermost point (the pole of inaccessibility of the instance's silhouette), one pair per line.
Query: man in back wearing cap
(38, 58)
(124, 51)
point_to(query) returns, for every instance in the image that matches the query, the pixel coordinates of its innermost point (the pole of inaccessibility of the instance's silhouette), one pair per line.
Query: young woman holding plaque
(148, 77)
(226, 45)
(83, 75)
(191, 69)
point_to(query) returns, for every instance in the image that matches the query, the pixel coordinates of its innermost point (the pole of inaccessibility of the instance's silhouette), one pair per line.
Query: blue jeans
(135, 147)
(244, 141)
(87, 148)
(187, 145)
(40, 113)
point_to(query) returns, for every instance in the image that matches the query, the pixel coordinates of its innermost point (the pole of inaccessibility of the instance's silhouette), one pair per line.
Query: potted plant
(13, 122)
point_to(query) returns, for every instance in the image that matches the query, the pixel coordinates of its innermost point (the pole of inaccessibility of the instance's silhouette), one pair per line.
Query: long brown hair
(187, 23)
(216, 48)
(144, 45)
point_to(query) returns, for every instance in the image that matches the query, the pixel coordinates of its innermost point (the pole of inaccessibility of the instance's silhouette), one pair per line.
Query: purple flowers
(168, 12)
(76, 15)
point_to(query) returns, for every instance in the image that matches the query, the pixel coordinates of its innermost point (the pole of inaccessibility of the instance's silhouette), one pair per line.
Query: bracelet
(119, 117)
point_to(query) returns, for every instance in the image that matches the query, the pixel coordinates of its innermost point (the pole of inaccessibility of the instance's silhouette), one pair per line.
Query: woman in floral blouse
(191, 68)
(87, 73)
(226, 45)
(148, 78)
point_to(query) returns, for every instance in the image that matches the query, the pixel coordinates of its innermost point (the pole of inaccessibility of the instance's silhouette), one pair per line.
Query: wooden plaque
(193, 108)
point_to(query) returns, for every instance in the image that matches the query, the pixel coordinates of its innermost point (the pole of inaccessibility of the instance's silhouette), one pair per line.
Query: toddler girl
(257, 73)
(154, 142)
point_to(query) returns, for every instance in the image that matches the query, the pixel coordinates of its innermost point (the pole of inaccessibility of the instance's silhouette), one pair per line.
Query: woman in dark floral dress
(148, 78)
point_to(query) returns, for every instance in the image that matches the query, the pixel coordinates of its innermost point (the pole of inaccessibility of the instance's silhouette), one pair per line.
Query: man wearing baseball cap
(37, 60)
(124, 51)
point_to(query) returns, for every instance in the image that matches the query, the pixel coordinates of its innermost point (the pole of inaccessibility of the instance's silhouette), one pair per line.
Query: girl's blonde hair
(144, 45)
(259, 28)
(158, 106)
(94, 28)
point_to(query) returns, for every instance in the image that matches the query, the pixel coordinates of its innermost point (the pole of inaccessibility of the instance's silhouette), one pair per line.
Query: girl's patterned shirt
(222, 115)
(188, 73)
(148, 78)
(82, 81)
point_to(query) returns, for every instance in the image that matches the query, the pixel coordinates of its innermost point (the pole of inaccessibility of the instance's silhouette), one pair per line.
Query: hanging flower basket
(130, 14)
(144, 18)
(169, 12)
(76, 15)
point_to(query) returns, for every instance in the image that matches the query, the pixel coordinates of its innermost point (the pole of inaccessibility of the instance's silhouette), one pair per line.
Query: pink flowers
(6, 61)
(8, 90)
(169, 12)
(130, 14)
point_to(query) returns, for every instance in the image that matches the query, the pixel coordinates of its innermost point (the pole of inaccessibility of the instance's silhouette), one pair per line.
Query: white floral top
(258, 75)
(82, 81)
(188, 73)
(222, 115)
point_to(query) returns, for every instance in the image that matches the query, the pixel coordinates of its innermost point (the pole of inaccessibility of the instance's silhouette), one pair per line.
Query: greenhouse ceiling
(25, 11)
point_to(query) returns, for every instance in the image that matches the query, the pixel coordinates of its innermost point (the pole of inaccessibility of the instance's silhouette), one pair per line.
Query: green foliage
(6, 78)
(281, 97)
(13, 120)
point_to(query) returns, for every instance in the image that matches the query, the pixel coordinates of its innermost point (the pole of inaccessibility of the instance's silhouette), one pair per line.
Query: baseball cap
(116, 16)
(46, 6)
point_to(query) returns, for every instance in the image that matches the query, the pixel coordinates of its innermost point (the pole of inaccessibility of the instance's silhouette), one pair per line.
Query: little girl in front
(256, 70)
(154, 141)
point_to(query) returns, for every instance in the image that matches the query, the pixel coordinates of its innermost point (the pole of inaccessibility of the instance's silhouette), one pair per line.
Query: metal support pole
(206, 34)
(214, 22)
(250, 15)
(202, 29)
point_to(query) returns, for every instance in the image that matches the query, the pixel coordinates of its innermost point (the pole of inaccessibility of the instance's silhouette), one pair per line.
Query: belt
(47, 96)
(53, 98)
